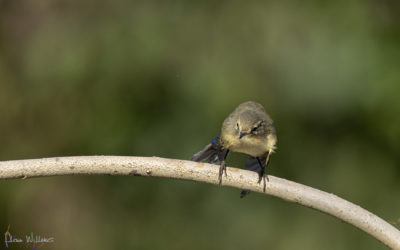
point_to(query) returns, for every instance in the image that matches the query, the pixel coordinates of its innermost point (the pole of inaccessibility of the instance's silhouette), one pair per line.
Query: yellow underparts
(256, 146)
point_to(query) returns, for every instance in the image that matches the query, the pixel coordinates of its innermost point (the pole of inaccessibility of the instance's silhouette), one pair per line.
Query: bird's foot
(263, 176)
(222, 169)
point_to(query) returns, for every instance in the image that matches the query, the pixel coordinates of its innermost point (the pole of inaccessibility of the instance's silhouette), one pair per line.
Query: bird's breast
(251, 145)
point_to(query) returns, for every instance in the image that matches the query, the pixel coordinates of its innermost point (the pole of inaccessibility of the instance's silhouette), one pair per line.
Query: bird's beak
(241, 135)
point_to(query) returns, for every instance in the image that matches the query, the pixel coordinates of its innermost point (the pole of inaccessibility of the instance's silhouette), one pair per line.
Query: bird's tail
(252, 164)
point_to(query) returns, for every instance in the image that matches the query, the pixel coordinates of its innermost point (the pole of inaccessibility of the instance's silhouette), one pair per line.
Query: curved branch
(208, 173)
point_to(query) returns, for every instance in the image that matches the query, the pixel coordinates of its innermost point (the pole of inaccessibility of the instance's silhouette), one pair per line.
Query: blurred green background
(151, 78)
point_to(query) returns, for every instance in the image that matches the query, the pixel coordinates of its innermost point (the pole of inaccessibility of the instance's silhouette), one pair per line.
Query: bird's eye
(255, 129)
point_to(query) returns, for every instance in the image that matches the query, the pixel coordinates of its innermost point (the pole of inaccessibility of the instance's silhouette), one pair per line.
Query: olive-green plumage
(248, 129)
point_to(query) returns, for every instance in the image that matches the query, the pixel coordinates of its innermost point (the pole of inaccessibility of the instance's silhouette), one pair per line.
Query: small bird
(248, 129)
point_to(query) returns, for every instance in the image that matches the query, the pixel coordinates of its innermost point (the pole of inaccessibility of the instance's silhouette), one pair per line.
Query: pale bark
(203, 172)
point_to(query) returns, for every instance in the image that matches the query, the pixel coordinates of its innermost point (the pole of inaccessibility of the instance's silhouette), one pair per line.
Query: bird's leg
(267, 160)
(261, 173)
(222, 168)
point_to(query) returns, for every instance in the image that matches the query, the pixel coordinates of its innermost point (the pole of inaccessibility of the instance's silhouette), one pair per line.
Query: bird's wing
(212, 153)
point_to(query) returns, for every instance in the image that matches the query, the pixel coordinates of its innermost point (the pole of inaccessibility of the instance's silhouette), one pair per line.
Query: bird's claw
(222, 169)
(263, 176)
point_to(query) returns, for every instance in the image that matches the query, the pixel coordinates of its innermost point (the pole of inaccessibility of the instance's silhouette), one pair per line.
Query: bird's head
(249, 123)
